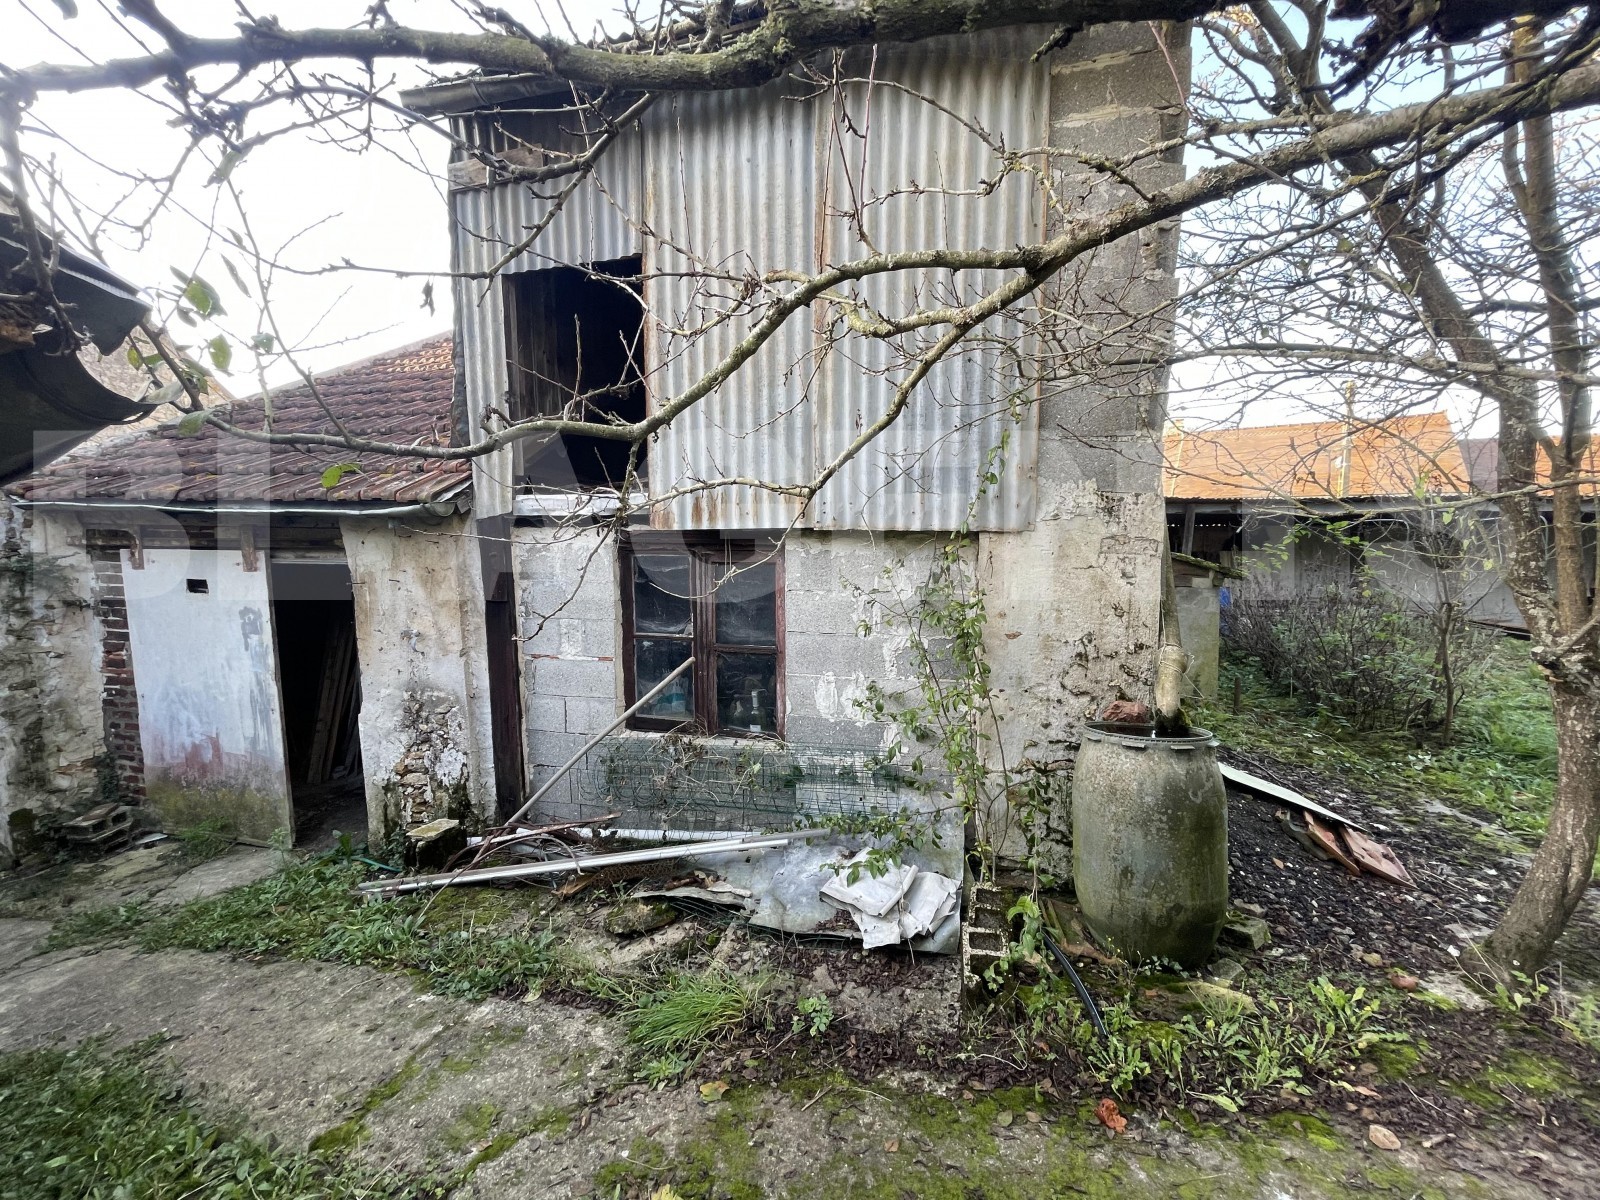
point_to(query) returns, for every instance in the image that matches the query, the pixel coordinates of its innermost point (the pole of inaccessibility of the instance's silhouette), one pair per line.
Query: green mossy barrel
(1150, 842)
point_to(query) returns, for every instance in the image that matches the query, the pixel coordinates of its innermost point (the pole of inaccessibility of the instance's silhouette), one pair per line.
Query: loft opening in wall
(575, 339)
(720, 600)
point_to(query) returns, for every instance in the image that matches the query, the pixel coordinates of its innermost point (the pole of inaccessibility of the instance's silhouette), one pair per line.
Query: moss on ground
(932, 1147)
(351, 1132)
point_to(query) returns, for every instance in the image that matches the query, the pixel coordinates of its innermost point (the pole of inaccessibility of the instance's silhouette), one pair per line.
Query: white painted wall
(205, 668)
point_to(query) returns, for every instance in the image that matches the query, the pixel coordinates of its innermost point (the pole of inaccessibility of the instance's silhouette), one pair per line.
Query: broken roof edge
(457, 97)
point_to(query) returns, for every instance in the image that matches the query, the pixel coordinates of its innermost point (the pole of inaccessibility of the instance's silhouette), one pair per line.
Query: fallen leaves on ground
(1107, 1114)
(1382, 1137)
(713, 1091)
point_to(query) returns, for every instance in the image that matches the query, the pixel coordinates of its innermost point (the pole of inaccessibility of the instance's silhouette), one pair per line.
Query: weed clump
(311, 910)
(93, 1123)
(690, 1010)
(1225, 1054)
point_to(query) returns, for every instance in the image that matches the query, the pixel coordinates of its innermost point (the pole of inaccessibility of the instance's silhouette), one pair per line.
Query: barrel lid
(1143, 737)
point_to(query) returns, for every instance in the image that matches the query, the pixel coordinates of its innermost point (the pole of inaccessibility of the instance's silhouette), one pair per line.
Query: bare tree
(1467, 276)
(1331, 169)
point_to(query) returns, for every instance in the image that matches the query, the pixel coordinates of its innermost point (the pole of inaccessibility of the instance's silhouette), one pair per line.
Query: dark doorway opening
(314, 618)
(505, 677)
(575, 341)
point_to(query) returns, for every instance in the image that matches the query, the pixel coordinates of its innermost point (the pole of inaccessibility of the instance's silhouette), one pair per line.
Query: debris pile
(896, 905)
(793, 881)
(1323, 833)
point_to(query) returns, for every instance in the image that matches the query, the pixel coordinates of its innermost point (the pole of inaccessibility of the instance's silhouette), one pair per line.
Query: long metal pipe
(555, 866)
(597, 738)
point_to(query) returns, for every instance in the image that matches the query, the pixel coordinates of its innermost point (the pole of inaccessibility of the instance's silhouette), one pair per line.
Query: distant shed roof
(401, 396)
(1387, 459)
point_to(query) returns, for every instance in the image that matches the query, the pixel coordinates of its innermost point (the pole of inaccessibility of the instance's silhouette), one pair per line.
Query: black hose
(1077, 984)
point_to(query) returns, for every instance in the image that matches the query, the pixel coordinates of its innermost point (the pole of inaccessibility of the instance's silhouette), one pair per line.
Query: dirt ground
(538, 1096)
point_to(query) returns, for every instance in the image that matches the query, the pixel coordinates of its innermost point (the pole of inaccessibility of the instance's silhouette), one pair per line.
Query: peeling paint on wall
(50, 730)
(211, 724)
(425, 743)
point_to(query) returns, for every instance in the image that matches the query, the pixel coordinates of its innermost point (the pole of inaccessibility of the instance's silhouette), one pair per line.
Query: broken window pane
(661, 593)
(747, 692)
(653, 661)
(747, 605)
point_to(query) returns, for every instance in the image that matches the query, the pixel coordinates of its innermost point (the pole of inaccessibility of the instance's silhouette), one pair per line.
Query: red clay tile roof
(1306, 462)
(403, 396)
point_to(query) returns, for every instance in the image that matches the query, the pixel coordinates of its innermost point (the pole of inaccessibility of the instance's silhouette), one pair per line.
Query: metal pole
(591, 862)
(595, 740)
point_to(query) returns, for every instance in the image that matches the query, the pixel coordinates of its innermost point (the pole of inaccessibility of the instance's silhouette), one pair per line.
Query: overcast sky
(382, 206)
(311, 204)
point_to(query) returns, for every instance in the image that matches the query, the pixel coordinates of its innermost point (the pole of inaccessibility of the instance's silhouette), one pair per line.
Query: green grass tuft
(311, 910)
(100, 1124)
(691, 1010)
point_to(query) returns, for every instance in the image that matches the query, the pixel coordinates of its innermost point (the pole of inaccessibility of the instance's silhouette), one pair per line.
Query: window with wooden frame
(722, 602)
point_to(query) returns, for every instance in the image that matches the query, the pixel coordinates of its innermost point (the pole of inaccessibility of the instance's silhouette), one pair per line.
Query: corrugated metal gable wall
(729, 191)
(743, 183)
(923, 472)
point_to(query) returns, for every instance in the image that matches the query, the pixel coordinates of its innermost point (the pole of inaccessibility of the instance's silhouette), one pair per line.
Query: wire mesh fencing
(679, 784)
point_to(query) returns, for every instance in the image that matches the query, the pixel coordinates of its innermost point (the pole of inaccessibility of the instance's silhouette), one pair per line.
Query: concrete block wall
(569, 599)
(1074, 601)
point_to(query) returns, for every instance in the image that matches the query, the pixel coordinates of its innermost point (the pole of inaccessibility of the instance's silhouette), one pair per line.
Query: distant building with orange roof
(1262, 499)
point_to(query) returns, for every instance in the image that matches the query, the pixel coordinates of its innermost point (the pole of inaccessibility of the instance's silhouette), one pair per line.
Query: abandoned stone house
(266, 636)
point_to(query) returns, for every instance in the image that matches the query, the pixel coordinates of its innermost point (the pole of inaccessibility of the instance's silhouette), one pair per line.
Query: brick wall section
(119, 702)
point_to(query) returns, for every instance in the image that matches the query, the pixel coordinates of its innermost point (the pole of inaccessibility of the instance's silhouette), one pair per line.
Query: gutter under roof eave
(455, 97)
(448, 505)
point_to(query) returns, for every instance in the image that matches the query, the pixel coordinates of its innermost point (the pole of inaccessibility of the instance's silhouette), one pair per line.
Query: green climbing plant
(946, 723)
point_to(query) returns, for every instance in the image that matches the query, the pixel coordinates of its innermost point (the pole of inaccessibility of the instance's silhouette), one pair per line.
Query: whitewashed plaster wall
(205, 666)
(425, 729)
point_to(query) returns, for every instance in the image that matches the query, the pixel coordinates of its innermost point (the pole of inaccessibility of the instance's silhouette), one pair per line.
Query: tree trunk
(1564, 862)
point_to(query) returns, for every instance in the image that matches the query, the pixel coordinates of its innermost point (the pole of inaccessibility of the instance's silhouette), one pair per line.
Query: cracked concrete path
(535, 1099)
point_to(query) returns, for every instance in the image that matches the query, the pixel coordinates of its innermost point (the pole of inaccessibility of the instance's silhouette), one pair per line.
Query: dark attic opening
(575, 339)
(314, 617)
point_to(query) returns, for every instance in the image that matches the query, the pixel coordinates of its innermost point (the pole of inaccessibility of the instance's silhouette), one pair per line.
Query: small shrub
(1363, 654)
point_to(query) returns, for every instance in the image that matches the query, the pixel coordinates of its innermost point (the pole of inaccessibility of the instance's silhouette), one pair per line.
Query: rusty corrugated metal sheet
(730, 190)
(923, 472)
(744, 183)
(598, 222)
